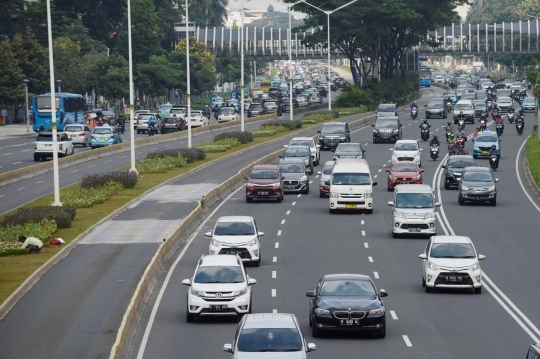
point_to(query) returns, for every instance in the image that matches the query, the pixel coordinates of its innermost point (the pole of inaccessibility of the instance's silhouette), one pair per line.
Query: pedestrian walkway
(16, 131)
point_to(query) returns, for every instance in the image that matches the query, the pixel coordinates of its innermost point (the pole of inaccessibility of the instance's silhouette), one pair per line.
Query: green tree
(11, 77)
(109, 77)
(35, 16)
(202, 75)
(208, 12)
(10, 15)
(156, 77)
(33, 61)
(77, 32)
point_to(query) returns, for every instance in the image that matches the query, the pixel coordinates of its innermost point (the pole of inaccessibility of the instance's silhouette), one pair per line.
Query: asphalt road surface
(303, 241)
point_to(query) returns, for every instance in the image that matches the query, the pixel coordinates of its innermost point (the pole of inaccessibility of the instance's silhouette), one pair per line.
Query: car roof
(334, 123)
(291, 160)
(264, 167)
(388, 118)
(387, 104)
(406, 141)
(235, 219)
(463, 101)
(269, 320)
(219, 260)
(329, 163)
(477, 169)
(413, 188)
(460, 157)
(345, 276)
(298, 146)
(303, 138)
(451, 239)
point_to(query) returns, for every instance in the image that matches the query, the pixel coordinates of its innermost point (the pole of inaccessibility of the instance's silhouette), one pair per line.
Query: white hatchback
(79, 134)
(197, 119)
(451, 262)
(406, 150)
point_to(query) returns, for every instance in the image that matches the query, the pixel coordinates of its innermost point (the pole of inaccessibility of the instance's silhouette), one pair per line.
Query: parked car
(105, 136)
(79, 134)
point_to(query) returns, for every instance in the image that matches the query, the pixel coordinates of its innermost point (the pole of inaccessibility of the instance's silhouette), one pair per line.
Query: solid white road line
(274, 259)
(376, 275)
(519, 176)
(277, 245)
(370, 259)
(366, 245)
(273, 292)
(282, 221)
(393, 314)
(407, 340)
(274, 274)
(288, 212)
(155, 308)
(279, 232)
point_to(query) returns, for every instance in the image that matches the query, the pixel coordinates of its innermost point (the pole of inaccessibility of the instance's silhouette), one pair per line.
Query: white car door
(425, 262)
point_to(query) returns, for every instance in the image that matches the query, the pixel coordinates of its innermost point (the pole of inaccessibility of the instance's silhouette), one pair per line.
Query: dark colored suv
(387, 129)
(435, 107)
(333, 133)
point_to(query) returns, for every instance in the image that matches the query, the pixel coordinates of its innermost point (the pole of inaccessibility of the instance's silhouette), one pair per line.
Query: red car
(404, 172)
(264, 182)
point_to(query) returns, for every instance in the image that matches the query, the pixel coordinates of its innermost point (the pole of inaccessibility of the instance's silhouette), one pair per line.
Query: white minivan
(351, 186)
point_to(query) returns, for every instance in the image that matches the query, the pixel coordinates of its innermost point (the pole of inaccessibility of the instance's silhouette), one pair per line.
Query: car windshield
(333, 130)
(269, 340)
(414, 200)
(351, 179)
(478, 177)
(255, 106)
(102, 131)
(234, 229)
(461, 163)
(327, 170)
(296, 152)
(386, 108)
(486, 138)
(435, 104)
(213, 274)
(270, 104)
(348, 147)
(146, 117)
(404, 167)
(165, 107)
(176, 111)
(72, 128)
(301, 97)
(347, 288)
(406, 147)
(528, 101)
(386, 123)
(463, 106)
(452, 250)
(263, 174)
(291, 168)
(479, 104)
(308, 143)
(504, 99)
(44, 102)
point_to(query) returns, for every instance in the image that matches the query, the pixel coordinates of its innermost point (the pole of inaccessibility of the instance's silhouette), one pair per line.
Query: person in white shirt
(32, 244)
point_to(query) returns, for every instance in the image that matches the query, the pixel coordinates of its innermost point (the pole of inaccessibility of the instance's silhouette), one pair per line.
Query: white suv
(406, 150)
(220, 287)
(451, 262)
(236, 235)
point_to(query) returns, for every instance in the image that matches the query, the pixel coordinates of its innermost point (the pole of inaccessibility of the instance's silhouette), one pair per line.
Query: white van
(351, 186)
(414, 210)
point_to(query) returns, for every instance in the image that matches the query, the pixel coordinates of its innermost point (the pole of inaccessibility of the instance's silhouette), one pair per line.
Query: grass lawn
(532, 148)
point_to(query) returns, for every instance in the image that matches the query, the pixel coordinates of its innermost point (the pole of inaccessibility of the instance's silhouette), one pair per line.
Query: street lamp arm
(538, 18)
(342, 6)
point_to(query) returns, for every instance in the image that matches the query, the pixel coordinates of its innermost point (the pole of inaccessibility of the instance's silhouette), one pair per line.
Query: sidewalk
(16, 131)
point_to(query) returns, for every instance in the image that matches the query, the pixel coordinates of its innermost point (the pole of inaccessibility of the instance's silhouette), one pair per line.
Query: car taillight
(92, 136)
(137, 120)
(81, 134)
(35, 146)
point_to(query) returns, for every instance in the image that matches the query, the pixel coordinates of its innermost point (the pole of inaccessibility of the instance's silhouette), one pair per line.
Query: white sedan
(227, 114)
(197, 118)
(406, 150)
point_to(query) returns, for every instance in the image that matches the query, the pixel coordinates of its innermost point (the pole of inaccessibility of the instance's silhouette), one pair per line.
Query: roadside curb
(529, 177)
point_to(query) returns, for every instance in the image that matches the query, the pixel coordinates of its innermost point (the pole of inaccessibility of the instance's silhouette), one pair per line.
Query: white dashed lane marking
(293, 203)
(277, 245)
(38, 182)
(376, 275)
(279, 232)
(370, 259)
(74, 171)
(282, 221)
(375, 176)
(288, 212)
(21, 188)
(16, 163)
(362, 222)
(366, 245)
(299, 195)
(274, 274)
(407, 341)
(380, 170)
(310, 182)
(91, 166)
(273, 293)
(393, 314)
(274, 259)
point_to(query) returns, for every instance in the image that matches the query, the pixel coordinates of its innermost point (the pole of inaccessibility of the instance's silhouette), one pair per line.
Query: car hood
(413, 211)
(472, 185)
(234, 239)
(302, 158)
(405, 174)
(405, 153)
(386, 129)
(453, 262)
(218, 287)
(346, 302)
(480, 143)
(386, 114)
(270, 355)
(455, 169)
(264, 181)
(293, 176)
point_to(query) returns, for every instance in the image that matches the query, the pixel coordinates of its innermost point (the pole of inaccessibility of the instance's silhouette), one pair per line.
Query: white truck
(43, 147)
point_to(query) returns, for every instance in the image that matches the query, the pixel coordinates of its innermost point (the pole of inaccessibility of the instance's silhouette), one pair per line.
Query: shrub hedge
(290, 125)
(63, 216)
(243, 137)
(97, 180)
(190, 154)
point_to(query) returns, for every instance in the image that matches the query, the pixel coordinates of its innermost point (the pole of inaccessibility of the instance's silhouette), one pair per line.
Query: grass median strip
(108, 194)
(532, 148)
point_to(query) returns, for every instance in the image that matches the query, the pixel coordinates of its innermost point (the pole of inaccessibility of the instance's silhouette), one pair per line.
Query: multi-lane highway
(303, 241)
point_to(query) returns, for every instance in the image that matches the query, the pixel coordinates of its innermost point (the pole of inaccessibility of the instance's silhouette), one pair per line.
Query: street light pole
(133, 168)
(56, 183)
(188, 82)
(27, 118)
(242, 114)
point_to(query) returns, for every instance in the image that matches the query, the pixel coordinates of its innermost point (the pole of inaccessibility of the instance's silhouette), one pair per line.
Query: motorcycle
(414, 113)
(424, 133)
(460, 145)
(434, 152)
(461, 124)
(483, 124)
(451, 150)
(448, 132)
(494, 161)
(448, 106)
(519, 127)
(499, 128)
(511, 117)
(494, 113)
(151, 130)
(489, 105)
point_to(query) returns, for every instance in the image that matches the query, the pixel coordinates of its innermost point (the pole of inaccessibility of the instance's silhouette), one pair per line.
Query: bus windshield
(44, 103)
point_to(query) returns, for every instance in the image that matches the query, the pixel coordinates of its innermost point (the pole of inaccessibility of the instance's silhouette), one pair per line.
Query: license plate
(414, 229)
(229, 252)
(351, 206)
(263, 193)
(102, 138)
(484, 152)
(289, 187)
(453, 279)
(349, 322)
(72, 136)
(218, 308)
(529, 108)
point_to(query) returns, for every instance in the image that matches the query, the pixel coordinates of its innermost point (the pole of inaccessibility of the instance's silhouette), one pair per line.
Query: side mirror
(227, 348)
(333, 150)
(186, 282)
(481, 257)
(444, 166)
(372, 125)
(391, 203)
(252, 281)
(285, 146)
(422, 256)
(245, 177)
(327, 183)
(390, 149)
(282, 177)
(422, 170)
(421, 149)
(384, 294)
(311, 347)
(318, 146)
(496, 180)
(319, 173)
(318, 131)
(387, 170)
(374, 183)
(260, 234)
(208, 234)
(437, 204)
(310, 294)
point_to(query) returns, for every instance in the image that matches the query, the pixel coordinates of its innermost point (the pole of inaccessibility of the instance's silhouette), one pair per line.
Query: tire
(423, 282)
(478, 290)
(428, 116)
(279, 199)
(248, 200)
(85, 144)
(475, 156)
(461, 201)
(93, 147)
(72, 149)
(331, 211)
(446, 185)
(395, 235)
(138, 132)
(429, 289)
(494, 202)
(369, 211)
(37, 158)
(322, 195)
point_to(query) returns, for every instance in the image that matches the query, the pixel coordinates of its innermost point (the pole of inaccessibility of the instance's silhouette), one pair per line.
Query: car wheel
(446, 185)
(461, 201)
(475, 156)
(395, 235)
(322, 194)
(478, 290)
(315, 332)
(428, 116)
(279, 199)
(369, 211)
(331, 211)
(249, 200)
(72, 149)
(494, 202)
(423, 282)
(138, 132)
(36, 157)
(85, 144)
(429, 289)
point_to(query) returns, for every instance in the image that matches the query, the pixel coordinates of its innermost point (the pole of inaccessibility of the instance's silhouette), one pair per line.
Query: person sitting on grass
(32, 244)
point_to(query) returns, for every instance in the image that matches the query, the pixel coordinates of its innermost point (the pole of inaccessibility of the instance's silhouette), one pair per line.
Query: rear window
(45, 138)
(103, 131)
(386, 108)
(255, 106)
(72, 128)
(269, 340)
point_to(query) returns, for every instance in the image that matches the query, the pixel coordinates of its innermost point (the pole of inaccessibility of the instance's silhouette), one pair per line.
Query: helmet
(478, 127)
(493, 147)
(434, 137)
(449, 123)
(414, 102)
(425, 121)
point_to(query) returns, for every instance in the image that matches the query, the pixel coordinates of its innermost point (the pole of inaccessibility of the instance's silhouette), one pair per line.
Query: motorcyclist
(499, 119)
(414, 105)
(449, 127)
(521, 117)
(425, 124)
(461, 134)
(435, 141)
(493, 151)
(451, 143)
(152, 123)
(476, 131)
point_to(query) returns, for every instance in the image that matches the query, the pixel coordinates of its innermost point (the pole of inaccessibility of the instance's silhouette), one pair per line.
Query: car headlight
(306, 161)
(342, 138)
(303, 179)
(464, 188)
(396, 131)
(433, 266)
(399, 214)
(492, 188)
(368, 195)
(252, 242)
(391, 177)
(430, 214)
(216, 243)
(334, 195)
(474, 267)
(320, 311)
(197, 293)
(250, 184)
(417, 154)
(375, 131)
(239, 292)
(417, 177)
(376, 312)
(277, 184)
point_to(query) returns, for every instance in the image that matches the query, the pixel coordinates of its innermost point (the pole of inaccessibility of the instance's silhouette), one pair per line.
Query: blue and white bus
(69, 110)
(425, 76)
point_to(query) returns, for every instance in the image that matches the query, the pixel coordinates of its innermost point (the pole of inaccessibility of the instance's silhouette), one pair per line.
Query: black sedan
(347, 302)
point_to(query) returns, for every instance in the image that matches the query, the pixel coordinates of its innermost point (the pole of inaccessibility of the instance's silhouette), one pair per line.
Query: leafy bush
(290, 125)
(42, 230)
(96, 180)
(320, 117)
(190, 154)
(219, 146)
(160, 164)
(243, 137)
(267, 131)
(532, 149)
(63, 216)
(354, 96)
(352, 110)
(79, 197)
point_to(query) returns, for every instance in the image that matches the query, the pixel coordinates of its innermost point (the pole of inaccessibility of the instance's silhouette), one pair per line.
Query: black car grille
(331, 142)
(242, 252)
(341, 315)
(479, 112)
(405, 158)
(408, 226)
(358, 315)
(290, 183)
(465, 278)
(385, 133)
(349, 314)
(485, 148)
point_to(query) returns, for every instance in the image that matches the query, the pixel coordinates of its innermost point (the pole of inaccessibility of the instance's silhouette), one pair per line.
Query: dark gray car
(478, 185)
(454, 167)
(387, 110)
(300, 152)
(296, 175)
(349, 150)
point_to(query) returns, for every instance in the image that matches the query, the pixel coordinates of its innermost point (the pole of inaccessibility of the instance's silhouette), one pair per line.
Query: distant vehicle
(69, 110)
(79, 134)
(425, 76)
(43, 147)
(105, 136)
(164, 110)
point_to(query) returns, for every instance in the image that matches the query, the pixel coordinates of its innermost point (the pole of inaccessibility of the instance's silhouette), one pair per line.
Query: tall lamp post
(328, 13)
(133, 168)
(536, 96)
(242, 114)
(27, 118)
(56, 183)
(188, 82)
(59, 82)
